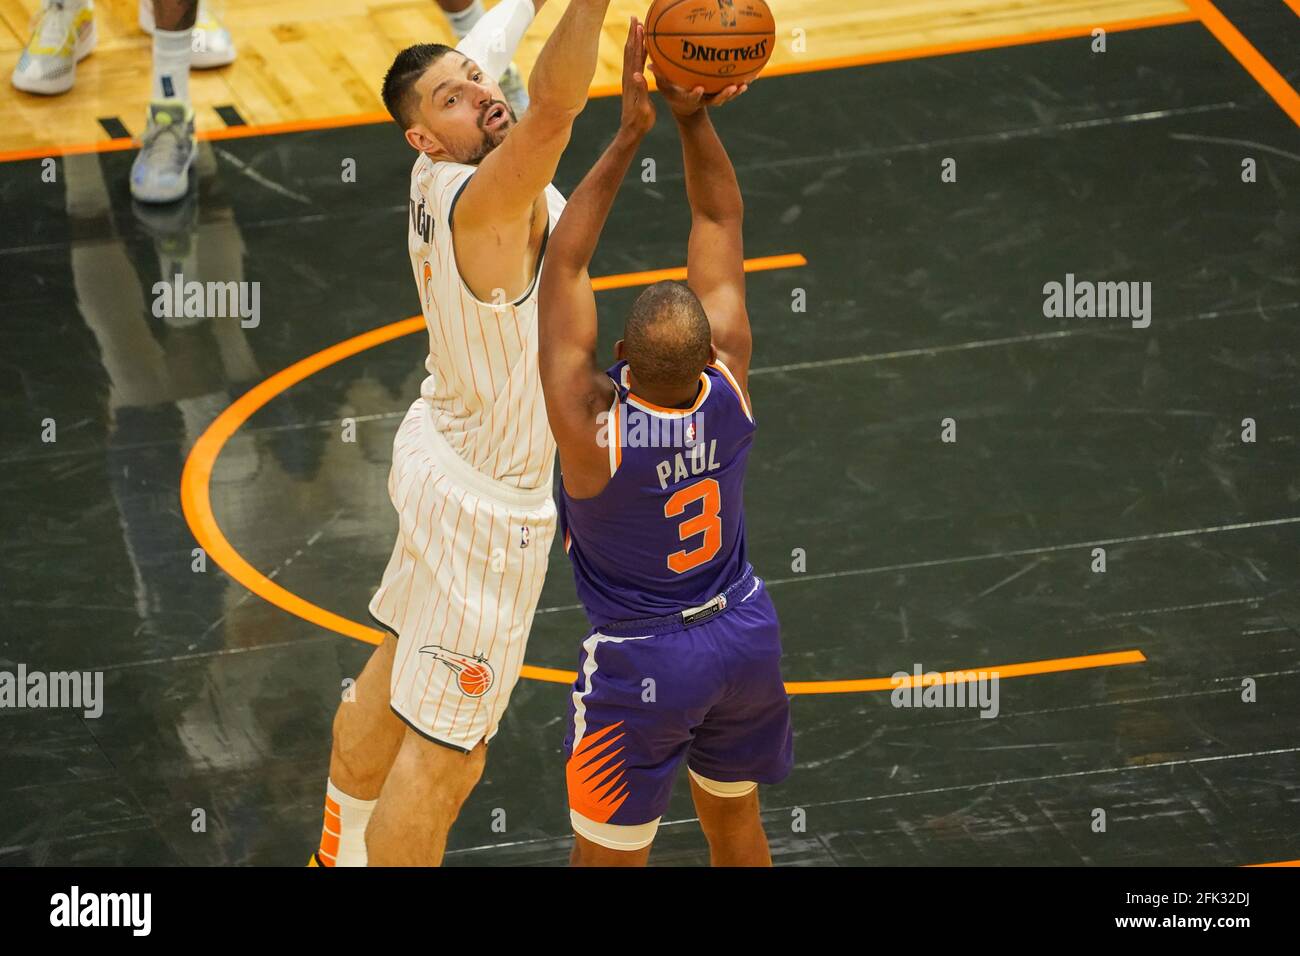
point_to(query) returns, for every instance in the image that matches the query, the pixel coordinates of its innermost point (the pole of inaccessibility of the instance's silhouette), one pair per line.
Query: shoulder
(438, 181)
(725, 382)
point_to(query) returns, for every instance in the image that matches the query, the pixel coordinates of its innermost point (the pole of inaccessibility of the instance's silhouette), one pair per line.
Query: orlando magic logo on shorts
(473, 673)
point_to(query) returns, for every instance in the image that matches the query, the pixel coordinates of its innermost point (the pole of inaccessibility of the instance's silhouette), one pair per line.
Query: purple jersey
(668, 531)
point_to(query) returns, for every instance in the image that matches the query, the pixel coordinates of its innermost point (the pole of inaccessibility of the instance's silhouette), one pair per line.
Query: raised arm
(576, 390)
(500, 217)
(512, 176)
(715, 252)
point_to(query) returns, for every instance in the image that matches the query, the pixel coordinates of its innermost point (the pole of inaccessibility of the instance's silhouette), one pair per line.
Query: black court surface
(940, 470)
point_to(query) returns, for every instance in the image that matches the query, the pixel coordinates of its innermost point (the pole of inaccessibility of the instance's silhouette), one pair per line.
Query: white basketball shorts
(461, 586)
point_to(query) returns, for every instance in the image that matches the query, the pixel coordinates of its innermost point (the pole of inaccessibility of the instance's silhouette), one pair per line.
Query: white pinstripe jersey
(484, 390)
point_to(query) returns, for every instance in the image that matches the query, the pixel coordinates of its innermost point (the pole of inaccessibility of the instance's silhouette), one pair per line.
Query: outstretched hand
(638, 110)
(684, 102)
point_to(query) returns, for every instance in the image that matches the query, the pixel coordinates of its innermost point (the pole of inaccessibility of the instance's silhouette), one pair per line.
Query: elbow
(545, 104)
(724, 215)
(723, 210)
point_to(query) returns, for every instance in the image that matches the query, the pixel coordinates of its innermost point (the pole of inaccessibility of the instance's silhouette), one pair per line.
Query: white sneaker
(161, 171)
(212, 44)
(515, 90)
(64, 33)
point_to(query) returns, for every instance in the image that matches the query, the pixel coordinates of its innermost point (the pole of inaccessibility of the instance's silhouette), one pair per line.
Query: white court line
(258, 178)
(999, 136)
(1262, 147)
(1013, 780)
(929, 350)
(1046, 549)
(1235, 688)
(760, 370)
(987, 343)
(1182, 607)
(1020, 552)
(863, 358)
(932, 790)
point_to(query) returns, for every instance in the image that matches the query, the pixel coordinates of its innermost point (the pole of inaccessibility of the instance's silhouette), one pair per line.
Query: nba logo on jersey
(690, 432)
(523, 536)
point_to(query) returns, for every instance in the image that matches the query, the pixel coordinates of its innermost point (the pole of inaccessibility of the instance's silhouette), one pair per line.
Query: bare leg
(586, 853)
(419, 802)
(175, 14)
(367, 734)
(733, 828)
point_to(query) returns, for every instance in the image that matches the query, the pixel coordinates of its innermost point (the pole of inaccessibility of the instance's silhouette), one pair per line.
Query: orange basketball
(710, 43)
(475, 679)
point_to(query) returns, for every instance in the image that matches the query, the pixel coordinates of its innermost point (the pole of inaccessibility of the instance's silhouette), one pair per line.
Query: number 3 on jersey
(707, 522)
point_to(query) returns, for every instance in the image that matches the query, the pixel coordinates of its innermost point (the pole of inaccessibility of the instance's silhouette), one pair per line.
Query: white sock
(464, 21)
(344, 832)
(171, 65)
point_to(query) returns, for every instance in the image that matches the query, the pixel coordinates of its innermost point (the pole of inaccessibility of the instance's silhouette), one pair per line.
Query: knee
(342, 726)
(462, 783)
(725, 808)
(589, 853)
(445, 776)
(355, 749)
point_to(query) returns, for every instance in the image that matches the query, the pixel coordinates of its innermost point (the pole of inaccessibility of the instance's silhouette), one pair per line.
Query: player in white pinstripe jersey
(473, 458)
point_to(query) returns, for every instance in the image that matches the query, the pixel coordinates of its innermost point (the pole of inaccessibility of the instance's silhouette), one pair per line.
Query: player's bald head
(666, 340)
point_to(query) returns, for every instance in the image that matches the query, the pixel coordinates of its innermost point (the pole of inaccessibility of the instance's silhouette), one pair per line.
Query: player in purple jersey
(683, 660)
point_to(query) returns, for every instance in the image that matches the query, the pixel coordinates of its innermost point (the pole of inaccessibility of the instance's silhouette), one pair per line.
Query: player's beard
(491, 138)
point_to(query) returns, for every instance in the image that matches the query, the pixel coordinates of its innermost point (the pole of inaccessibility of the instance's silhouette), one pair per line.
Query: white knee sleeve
(613, 837)
(719, 788)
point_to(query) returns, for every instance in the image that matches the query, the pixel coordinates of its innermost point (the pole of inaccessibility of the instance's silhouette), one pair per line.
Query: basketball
(475, 680)
(709, 43)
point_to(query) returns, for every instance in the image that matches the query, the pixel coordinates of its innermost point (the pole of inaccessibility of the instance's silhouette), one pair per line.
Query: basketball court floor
(892, 309)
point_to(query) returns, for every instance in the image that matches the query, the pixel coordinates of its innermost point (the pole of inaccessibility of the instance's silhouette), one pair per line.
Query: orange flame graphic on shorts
(597, 788)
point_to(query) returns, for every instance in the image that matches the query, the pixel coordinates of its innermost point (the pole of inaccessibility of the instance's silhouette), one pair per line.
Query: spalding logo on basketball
(710, 43)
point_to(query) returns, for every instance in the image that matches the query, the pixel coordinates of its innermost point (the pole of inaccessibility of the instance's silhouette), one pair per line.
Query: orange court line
(297, 126)
(75, 149)
(608, 89)
(197, 474)
(947, 49)
(1294, 5)
(1270, 79)
(196, 505)
(1280, 863)
(983, 43)
(967, 675)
